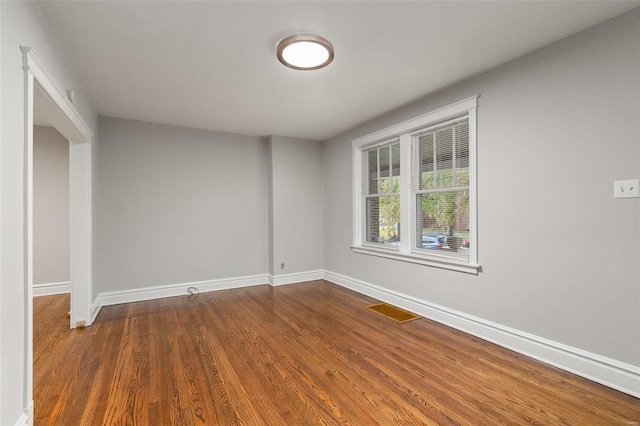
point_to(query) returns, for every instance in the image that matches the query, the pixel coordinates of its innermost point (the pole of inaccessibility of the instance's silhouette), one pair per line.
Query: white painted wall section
(50, 206)
(296, 213)
(178, 205)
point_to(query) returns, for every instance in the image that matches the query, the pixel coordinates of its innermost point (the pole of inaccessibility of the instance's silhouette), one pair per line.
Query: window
(415, 190)
(382, 194)
(441, 189)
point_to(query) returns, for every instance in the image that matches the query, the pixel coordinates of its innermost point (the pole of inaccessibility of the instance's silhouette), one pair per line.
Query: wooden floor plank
(302, 354)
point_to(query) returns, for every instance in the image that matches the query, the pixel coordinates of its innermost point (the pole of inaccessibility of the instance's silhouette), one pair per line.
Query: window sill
(433, 261)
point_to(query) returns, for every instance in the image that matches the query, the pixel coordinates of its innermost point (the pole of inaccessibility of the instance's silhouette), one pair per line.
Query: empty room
(319, 212)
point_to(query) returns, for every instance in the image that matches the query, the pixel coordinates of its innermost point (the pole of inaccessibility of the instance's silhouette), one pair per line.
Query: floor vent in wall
(396, 314)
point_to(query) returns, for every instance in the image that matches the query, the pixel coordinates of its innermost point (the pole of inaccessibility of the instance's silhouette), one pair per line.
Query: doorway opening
(42, 91)
(51, 265)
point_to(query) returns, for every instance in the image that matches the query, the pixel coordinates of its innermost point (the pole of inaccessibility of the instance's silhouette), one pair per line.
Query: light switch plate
(629, 188)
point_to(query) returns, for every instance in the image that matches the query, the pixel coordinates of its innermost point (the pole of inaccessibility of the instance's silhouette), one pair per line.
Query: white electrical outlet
(629, 188)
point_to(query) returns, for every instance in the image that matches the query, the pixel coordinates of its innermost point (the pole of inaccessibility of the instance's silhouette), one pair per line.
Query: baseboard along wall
(49, 289)
(23, 420)
(609, 372)
(26, 417)
(172, 290)
(296, 277)
(606, 371)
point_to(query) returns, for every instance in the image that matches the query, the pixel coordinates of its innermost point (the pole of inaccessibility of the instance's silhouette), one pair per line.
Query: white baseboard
(158, 292)
(23, 420)
(609, 372)
(95, 308)
(171, 290)
(296, 277)
(49, 289)
(26, 417)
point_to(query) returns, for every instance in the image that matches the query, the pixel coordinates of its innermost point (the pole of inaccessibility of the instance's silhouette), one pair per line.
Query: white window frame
(403, 132)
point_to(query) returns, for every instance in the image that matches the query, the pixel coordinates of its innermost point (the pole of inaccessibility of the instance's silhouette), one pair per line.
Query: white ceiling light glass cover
(305, 52)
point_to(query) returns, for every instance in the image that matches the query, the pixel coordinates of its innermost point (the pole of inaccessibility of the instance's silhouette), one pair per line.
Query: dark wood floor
(301, 354)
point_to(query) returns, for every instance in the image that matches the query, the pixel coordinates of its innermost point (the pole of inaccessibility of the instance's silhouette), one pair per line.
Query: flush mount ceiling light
(305, 52)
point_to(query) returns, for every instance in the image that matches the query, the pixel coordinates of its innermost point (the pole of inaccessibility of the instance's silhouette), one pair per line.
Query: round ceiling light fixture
(305, 52)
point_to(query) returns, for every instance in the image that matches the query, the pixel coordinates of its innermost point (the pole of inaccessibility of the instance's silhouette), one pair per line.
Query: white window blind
(441, 189)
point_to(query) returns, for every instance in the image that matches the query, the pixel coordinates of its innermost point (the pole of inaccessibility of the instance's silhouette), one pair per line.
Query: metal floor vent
(396, 314)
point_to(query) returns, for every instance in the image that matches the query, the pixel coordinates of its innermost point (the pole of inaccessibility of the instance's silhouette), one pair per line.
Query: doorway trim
(66, 120)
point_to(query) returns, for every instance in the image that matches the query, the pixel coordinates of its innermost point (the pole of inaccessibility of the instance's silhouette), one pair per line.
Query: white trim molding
(50, 289)
(66, 119)
(74, 128)
(171, 290)
(421, 260)
(296, 277)
(26, 417)
(607, 371)
(80, 221)
(415, 123)
(23, 420)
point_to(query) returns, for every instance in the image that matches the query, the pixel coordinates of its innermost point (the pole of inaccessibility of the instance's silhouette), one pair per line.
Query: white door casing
(64, 118)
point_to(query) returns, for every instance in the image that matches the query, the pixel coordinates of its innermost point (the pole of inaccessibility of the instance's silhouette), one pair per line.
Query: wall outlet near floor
(629, 188)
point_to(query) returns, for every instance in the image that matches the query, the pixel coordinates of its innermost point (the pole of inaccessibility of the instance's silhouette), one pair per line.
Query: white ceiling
(212, 65)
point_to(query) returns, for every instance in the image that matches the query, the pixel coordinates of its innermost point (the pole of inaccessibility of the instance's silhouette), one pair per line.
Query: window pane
(383, 220)
(373, 172)
(462, 145)
(442, 222)
(445, 179)
(462, 177)
(444, 149)
(425, 156)
(395, 187)
(395, 159)
(441, 154)
(383, 184)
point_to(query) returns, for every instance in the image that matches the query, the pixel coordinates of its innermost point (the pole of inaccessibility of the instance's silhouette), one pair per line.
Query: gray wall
(559, 254)
(178, 205)
(296, 200)
(50, 206)
(22, 23)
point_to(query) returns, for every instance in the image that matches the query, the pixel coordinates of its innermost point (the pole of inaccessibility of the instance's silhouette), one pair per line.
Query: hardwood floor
(301, 354)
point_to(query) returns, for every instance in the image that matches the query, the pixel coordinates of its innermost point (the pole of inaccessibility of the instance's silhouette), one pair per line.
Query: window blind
(441, 189)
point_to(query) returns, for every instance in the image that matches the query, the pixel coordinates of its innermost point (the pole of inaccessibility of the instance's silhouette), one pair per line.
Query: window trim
(404, 132)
